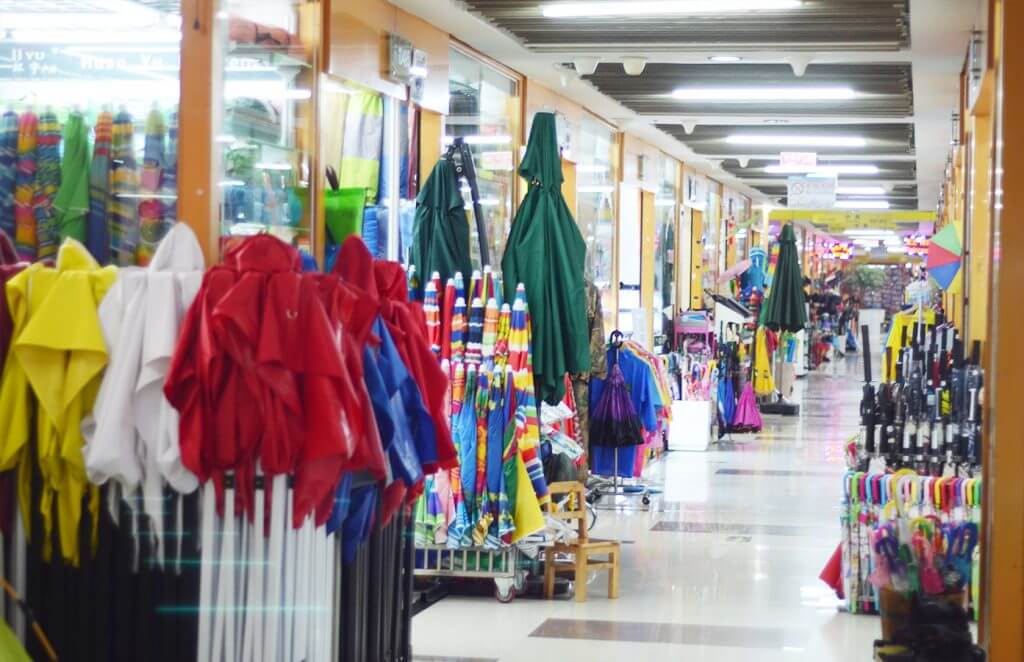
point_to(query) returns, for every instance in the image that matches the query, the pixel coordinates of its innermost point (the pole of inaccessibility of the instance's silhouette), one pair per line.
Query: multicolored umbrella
(518, 344)
(8, 163)
(945, 254)
(433, 315)
(474, 342)
(490, 332)
(47, 182)
(459, 330)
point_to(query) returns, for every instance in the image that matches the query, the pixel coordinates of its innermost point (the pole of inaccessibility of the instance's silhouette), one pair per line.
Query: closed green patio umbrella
(546, 253)
(785, 309)
(440, 236)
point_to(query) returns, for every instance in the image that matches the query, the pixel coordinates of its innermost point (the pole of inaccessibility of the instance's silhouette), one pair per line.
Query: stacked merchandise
(909, 534)
(208, 445)
(913, 493)
(695, 377)
(116, 204)
(646, 378)
(492, 498)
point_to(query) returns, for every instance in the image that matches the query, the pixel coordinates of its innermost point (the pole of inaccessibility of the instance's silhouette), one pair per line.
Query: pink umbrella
(735, 270)
(747, 417)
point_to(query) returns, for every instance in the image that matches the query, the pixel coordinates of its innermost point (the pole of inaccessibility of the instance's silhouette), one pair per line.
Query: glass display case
(595, 209)
(265, 118)
(89, 97)
(484, 110)
(665, 227)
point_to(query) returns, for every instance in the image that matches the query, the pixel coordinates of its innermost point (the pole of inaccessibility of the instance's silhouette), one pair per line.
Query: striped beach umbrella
(24, 192)
(474, 342)
(124, 221)
(460, 330)
(518, 330)
(447, 314)
(490, 333)
(97, 232)
(433, 315)
(47, 184)
(8, 167)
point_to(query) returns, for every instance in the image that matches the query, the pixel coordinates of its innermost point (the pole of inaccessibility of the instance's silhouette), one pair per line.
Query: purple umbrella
(747, 417)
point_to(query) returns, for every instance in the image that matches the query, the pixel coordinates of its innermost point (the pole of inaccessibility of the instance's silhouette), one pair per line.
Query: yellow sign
(837, 220)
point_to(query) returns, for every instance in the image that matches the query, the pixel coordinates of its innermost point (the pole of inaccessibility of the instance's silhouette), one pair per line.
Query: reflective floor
(724, 566)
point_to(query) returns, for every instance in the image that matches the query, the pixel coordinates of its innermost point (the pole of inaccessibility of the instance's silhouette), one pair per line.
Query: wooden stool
(581, 550)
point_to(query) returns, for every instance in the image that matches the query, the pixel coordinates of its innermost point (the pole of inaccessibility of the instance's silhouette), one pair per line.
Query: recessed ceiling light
(844, 169)
(776, 121)
(862, 204)
(661, 7)
(776, 94)
(796, 141)
(725, 58)
(860, 190)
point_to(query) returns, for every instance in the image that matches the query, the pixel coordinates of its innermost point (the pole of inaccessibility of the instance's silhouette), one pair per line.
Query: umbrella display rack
(500, 565)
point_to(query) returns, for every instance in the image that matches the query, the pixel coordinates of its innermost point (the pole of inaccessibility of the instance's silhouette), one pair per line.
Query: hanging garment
(71, 206)
(124, 221)
(362, 144)
(747, 417)
(546, 253)
(97, 232)
(48, 178)
(132, 434)
(152, 222)
(25, 187)
(440, 240)
(60, 365)
(8, 170)
(764, 383)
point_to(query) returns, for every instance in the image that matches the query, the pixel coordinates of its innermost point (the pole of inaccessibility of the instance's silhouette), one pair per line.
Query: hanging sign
(798, 160)
(811, 192)
(832, 220)
(127, 62)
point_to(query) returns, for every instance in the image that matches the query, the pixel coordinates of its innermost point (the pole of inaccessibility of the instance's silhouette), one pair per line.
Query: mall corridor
(725, 564)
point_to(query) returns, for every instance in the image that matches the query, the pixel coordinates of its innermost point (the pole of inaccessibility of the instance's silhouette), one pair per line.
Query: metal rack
(501, 565)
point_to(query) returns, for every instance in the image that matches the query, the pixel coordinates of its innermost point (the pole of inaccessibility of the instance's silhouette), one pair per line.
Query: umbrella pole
(278, 497)
(206, 578)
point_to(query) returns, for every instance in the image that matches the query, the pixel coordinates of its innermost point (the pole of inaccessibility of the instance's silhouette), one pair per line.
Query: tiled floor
(724, 567)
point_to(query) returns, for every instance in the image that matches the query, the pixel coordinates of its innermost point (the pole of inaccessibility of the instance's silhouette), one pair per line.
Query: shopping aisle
(723, 568)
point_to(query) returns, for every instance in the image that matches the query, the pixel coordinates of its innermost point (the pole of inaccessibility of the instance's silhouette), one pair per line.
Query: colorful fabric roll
(25, 187)
(8, 167)
(97, 233)
(124, 221)
(152, 223)
(71, 205)
(47, 184)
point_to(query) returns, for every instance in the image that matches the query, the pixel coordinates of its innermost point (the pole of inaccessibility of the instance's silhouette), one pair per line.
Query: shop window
(266, 124)
(484, 110)
(665, 227)
(595, 208)
(710, 264)
(90, 102)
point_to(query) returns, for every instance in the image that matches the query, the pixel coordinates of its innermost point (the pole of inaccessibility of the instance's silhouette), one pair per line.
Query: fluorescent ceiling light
(796, 141)
(725, 58)
(860, 190)
(660, 8)
(480, 140)
(862, 204)
(843, 169)
(97, 36)
(775, 94)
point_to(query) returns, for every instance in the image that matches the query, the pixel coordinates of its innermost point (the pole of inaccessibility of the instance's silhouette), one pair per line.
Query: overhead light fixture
(725, 58)
(796, 141)
(586, 66)
(772, 94)
(634, 66)
(862, 204)
(843, 169)
(860, 190)
(661, 8)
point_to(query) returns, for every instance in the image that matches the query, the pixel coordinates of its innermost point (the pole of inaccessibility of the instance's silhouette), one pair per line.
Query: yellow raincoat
(57, 357)
(764, 384)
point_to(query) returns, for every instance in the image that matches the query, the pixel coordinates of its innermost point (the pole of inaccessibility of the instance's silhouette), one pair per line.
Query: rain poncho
(59, 365)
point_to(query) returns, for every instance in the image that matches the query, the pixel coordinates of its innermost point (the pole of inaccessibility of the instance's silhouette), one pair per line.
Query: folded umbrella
(747, 417)
(440, 233)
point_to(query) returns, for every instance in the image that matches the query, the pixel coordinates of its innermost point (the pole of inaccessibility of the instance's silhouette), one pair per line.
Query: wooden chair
(581, 549)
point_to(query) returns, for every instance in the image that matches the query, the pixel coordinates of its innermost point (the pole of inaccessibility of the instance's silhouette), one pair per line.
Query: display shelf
(269, 56)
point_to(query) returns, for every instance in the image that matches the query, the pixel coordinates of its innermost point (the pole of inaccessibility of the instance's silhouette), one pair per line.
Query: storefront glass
(89, 130)
(595, 208)
(484, 110)
(267, 122)
(665, 228)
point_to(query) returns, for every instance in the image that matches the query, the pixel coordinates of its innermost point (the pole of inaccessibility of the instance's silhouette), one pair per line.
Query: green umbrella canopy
(546, 253)
(440, 236)
(784, 309)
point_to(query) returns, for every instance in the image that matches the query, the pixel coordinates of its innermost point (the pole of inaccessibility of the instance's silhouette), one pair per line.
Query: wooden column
(1002, 618)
